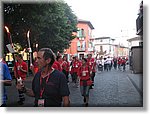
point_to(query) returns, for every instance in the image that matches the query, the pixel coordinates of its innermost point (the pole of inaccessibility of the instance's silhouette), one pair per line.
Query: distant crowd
(107, 63)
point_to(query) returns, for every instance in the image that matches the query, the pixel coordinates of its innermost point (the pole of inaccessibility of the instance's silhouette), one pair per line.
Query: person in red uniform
(35, 64)
(20, 71)
(119, 63)
(71, 68)
(57, 64)
(75, 65)
(85, 80)
(92, 64)
(65, 67)
(124, 64)
(60, 60)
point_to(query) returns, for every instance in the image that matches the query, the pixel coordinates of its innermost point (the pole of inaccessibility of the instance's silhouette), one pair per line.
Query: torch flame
(7, 29)
(28, 34)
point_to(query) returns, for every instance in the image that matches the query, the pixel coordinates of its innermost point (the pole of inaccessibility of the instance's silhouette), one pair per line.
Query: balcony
(79, 49)
(90, 49)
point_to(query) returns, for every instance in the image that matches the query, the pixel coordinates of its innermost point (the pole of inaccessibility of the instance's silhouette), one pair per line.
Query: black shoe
(91, 87)
(20, 102)
(86, 105)
(3, 105)
(84, 100)
(23, 99)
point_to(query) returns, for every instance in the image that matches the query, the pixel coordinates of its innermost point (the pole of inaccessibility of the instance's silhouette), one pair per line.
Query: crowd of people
(52, 75)
(107, 63)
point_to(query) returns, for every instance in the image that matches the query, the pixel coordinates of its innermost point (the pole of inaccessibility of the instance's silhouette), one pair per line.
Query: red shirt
(65, 66)
(20, 73)
(123, 61)
(56, 65)
(84, 74)
(75, 65)
(119, 61)
(35, 64)
(92, 64)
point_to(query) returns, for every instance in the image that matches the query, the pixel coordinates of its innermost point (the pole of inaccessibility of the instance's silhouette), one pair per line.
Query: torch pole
(30, 50)
(11, 43)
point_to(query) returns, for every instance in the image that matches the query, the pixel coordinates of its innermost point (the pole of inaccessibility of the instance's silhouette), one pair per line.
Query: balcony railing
(81, 49)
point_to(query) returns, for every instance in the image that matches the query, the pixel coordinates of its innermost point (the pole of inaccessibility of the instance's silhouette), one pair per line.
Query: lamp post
(30, 50)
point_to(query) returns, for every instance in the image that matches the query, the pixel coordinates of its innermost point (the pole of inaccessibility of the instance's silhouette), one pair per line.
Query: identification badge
(83, 73)
(18, 68)
(91, 72)
(90, 63)
(41, 103)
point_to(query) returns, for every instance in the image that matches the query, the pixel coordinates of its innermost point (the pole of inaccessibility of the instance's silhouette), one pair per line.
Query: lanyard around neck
(42, 88)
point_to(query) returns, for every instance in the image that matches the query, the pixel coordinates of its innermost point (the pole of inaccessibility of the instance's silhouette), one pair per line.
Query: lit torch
(9, 36)
(30, 50)
(11, 46)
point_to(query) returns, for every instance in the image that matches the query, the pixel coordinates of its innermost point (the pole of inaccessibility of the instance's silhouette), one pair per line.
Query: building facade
(105, 46)
(83, 43)
(136, 41)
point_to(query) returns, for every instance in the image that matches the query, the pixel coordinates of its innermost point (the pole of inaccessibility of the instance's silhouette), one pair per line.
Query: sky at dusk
(112, 18)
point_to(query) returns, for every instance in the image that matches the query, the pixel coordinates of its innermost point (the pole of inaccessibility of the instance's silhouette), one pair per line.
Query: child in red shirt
(20, 71)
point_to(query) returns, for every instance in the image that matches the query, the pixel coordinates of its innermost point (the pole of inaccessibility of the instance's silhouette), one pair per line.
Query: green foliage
(51, 24)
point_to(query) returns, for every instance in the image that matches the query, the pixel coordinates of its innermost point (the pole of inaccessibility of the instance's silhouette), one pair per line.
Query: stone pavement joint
(136, 87)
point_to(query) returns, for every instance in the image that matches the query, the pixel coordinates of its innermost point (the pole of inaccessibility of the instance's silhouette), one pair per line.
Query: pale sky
(108, 17)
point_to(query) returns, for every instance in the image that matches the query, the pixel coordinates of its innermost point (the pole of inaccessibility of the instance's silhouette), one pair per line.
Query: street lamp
(30, 50)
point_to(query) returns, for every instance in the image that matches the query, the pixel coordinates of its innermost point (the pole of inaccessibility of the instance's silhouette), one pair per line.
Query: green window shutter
(78, 32)
(83, 33)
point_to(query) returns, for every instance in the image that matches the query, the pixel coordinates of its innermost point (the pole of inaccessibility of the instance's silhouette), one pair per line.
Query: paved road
(112, 88)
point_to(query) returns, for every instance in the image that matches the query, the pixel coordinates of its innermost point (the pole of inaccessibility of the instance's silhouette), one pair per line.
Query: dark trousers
(92, 78)
(100, 67)
(124, 67)
(115, 65)
(105, 66)
(21, 95)
(66, 74)
(119, 66)
(74, 77)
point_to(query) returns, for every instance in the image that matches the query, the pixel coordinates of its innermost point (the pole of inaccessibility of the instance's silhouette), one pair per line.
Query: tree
(50, 24)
